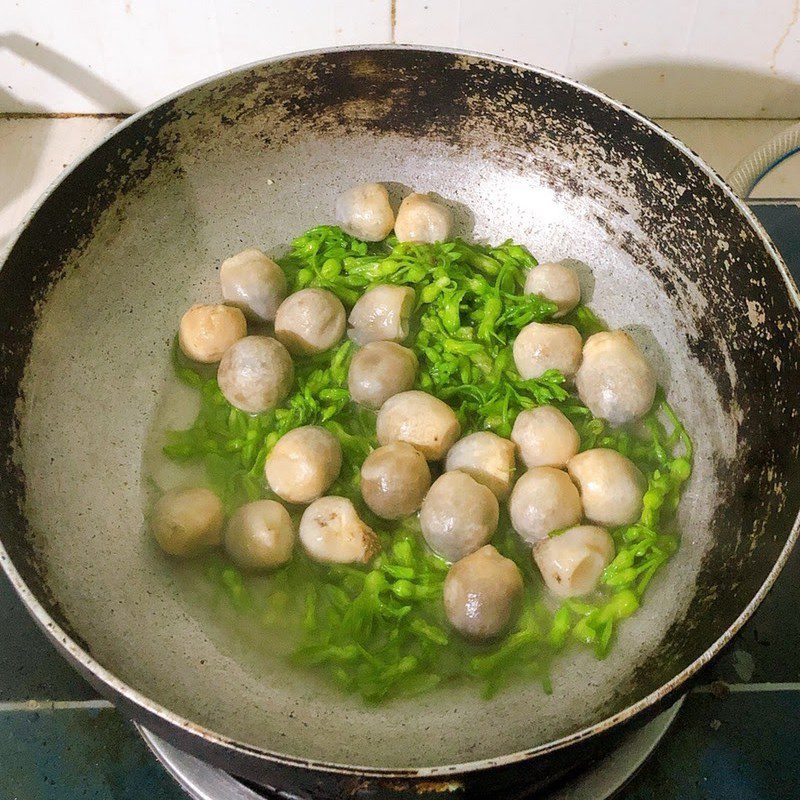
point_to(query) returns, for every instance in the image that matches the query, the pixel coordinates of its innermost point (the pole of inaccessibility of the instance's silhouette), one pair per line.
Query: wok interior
(256, 158)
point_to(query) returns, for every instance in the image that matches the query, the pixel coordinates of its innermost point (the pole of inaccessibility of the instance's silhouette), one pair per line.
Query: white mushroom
(615, 381)
(364, 212)
(572, 562)
(310, 321)
(382, 314)
(303, 464)
(611, 486)
(378, 371)
(253, 282)
(206, 332)
(542, 346)
(332, 532)
(480, 593)
(556, 283)
(186, 522)
(544, 500)
(422, 219)
(545, 437)
(260, 535)
(255, 374)
(420, 419)
(394, 480)
(486, 457)
(458, 515)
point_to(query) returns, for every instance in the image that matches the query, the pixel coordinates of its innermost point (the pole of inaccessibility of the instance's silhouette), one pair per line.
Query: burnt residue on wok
(535, 157)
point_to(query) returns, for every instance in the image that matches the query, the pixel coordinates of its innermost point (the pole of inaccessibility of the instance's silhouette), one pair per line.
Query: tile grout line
(53, 705)
(773, 201)
(31, 115)
(393, 38)
(657, 118)
(722, 687)
(58, 705)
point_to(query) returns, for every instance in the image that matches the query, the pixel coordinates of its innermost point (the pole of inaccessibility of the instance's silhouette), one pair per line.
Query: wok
(90, 295)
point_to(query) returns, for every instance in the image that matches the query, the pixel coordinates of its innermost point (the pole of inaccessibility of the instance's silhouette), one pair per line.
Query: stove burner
(204, 782)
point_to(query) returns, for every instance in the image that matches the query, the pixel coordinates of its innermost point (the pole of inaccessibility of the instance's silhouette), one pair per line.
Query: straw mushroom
(556, 283)
(480, 593)
(421, 219)
(615, 381)
(380, 370)
(303, 464)
(486, 457)
(254, 283)
(255, 374)
(364, 212)
(382, 314)
(332, 532)
(544, 500)
(458, 515)
(611, 486)
(186, 522)
(259, 535)
(544, 437)
(572, 562)
(394, 480)
(206, 332)
(310, 321)
(420, 419)
(541, 346)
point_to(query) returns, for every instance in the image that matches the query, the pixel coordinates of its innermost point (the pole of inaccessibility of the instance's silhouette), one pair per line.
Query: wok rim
(118, 688)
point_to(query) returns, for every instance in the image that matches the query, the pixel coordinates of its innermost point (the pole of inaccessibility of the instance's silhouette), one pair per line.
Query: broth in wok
(422, 460)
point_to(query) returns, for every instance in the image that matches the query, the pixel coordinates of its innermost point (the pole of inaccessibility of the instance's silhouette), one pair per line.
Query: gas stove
(604, 780)
(734, 737)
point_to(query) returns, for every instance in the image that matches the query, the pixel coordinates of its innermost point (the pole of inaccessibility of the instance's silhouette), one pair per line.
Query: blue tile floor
(743, 746)
(70, 753)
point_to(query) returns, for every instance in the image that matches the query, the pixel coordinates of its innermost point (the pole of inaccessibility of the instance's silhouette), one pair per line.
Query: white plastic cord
(752, 168)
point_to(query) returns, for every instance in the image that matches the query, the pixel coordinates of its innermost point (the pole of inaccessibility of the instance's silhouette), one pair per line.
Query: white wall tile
(33, 152)
(683, 58)
(120, 55)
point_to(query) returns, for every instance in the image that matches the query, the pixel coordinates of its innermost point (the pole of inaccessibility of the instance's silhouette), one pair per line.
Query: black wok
(89, 298)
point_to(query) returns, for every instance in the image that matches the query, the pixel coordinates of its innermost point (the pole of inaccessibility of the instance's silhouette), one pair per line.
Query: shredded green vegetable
(380, 630)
